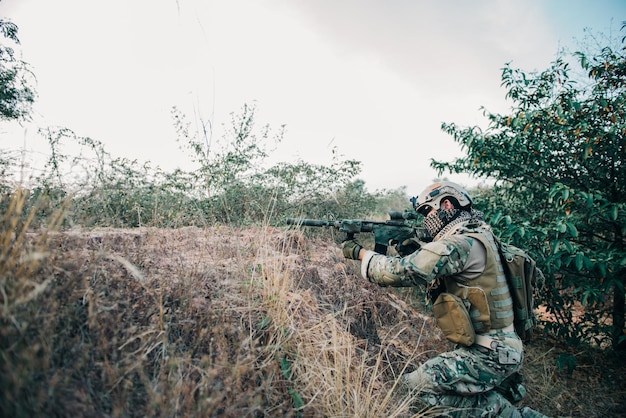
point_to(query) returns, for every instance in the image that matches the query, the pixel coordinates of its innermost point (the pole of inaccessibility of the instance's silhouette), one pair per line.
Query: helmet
(432, 196)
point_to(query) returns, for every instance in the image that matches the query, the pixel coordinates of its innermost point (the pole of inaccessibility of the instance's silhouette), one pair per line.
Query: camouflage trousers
(472, 382)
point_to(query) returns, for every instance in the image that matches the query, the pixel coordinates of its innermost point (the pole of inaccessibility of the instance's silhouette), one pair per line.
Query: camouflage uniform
(471, 380)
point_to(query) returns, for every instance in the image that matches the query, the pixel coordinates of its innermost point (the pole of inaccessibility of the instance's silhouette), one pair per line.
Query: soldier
(462, 272)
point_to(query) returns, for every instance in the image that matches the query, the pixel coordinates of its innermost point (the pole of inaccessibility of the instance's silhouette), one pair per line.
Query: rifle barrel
(309, 222)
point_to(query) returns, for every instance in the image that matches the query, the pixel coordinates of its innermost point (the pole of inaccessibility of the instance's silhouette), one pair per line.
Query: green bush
(560, 190)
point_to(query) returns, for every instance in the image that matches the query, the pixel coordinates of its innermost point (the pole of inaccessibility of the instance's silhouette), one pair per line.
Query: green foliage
(239, 155)
(16, 92)
(239, 186)
(232, 184)
(558, 162)
(567, 362)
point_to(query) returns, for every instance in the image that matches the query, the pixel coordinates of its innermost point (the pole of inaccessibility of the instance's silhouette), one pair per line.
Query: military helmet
(432, 196)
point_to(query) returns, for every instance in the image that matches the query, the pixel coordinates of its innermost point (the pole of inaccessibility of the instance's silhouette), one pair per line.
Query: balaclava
(442, 221)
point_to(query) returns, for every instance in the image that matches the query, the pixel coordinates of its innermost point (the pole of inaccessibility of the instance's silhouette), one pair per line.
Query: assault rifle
(393, 231)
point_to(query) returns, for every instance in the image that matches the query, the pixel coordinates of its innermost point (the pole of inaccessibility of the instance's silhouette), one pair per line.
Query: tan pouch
(479, 310)
(453, 319)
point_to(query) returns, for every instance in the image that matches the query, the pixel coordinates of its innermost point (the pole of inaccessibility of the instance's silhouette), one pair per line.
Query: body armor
(487, 298)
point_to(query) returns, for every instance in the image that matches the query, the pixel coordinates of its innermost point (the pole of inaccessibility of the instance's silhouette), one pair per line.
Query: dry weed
(214, 322)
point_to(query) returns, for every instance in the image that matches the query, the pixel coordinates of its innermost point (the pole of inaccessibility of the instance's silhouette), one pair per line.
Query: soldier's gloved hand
(351, 249)
(408, 246)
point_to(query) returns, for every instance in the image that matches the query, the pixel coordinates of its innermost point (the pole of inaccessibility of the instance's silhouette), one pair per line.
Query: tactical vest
(487, 297)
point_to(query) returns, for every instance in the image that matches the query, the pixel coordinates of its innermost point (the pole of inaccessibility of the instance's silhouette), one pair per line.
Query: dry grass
(215, 322)
(568, 383)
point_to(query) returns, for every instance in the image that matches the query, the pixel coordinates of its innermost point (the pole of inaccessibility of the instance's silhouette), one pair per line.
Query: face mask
(436, 221)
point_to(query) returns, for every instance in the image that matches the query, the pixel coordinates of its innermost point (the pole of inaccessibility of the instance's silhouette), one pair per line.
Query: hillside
(232, 322)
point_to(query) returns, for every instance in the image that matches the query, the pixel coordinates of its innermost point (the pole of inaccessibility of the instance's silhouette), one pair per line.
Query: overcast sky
(373, 79)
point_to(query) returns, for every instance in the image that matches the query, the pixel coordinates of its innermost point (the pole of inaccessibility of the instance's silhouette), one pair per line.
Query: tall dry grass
(25, 278)
(21, 258)
(186, 322)
(331, 372)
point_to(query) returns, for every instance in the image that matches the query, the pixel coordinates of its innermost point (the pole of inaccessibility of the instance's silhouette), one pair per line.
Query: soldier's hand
(351, 249)
(408, 246)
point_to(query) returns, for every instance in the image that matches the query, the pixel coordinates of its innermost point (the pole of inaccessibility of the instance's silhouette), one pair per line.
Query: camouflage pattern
(473, 382)
(484, 405)
(436, 259)
(470, 381)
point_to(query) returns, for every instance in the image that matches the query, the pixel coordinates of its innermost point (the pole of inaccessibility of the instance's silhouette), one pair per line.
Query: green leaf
(588, 263)
(566, 361)
(285, 367)
(264, 322)
(298, 402)
(578, 261)
(554, 246)
(571, 229)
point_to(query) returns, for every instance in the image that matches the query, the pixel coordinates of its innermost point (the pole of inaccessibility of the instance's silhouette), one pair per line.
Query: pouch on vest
(453, 319)
(479, 310)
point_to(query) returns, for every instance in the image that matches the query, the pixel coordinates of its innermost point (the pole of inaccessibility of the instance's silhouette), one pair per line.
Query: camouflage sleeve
(436, 259)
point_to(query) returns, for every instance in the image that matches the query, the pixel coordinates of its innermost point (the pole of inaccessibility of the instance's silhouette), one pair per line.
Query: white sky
(375, 79)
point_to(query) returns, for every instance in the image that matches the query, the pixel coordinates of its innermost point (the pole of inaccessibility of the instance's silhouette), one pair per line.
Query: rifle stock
(390, 232)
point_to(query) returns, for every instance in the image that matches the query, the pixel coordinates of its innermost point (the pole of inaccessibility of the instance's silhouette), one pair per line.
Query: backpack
(522, 275)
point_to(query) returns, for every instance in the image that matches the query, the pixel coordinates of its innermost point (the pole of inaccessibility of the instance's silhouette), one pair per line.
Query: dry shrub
(24, 278)
(189, 322)
(574, 383)
(212, 322)
(329, 324)
(139, 323)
